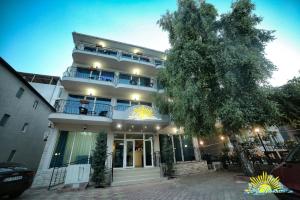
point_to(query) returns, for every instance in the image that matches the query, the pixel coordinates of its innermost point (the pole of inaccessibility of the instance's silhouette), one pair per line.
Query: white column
(156, 149)
(110, 141)
(48, 149)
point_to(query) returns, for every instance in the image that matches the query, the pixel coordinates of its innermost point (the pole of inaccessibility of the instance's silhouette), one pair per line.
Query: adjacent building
(24, 123)
(110, 87)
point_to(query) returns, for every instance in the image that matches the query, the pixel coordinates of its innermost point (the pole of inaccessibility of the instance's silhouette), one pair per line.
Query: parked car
(14, 179)
(289, 172)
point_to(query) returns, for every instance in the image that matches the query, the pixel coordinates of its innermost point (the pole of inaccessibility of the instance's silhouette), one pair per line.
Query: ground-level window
(183, 148)
(74, 148)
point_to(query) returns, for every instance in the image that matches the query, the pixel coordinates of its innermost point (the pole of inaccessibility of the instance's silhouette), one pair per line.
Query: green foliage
(167, 153)
(287, 98)
(189, 77)
(99, 158)
(216, 69)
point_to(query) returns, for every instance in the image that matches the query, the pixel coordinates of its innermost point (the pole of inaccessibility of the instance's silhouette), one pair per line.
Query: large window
(183, 147)
(74, 148)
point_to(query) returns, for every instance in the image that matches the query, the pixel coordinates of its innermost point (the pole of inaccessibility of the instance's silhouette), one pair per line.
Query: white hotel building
(110, 87)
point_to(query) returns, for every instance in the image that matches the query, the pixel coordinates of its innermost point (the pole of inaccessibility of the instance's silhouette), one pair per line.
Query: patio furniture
(103, 113)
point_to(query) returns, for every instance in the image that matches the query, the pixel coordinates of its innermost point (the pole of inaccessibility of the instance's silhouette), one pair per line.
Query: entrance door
(129, 153)
(148, 152)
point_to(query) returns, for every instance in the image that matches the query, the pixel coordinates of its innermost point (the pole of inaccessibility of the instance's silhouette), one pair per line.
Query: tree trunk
(247, 166)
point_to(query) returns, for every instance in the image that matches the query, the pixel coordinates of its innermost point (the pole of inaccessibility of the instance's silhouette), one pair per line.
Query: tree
(167, 154)
(216, 70)
(189, 79)
(287, 98)
(99, 158)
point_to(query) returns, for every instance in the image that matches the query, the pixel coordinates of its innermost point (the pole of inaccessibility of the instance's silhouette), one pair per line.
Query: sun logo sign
(142, 113)
(264, 184)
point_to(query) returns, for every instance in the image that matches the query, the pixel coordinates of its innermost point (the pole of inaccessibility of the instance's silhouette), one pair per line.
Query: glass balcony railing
(121, 54)
(78, 107)
(108, 76)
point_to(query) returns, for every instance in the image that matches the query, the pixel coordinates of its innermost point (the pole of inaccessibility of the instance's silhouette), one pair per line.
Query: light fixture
(201, 142)
(119, 125)
(222, 137)
(256, 130)
(145, 127)
(137, 51)
(101, 44)
(96, 65)
(91, 92)
(135, 97)
(157, 127)
(175, 130)
(136, 71)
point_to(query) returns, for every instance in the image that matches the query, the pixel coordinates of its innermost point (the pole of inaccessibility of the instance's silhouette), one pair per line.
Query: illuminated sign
(264, 184)
(142, 112)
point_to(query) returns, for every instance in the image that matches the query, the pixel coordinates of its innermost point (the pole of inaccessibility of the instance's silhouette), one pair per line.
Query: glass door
(148, 152)
(129, 153)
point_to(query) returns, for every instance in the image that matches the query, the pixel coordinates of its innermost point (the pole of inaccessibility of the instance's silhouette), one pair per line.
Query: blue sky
(36, 35)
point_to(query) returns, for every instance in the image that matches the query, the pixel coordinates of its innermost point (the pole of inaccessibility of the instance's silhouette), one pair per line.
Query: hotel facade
(110, 87)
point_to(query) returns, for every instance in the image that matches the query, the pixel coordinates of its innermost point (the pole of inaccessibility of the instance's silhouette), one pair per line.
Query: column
(156, 149)
(110, 141)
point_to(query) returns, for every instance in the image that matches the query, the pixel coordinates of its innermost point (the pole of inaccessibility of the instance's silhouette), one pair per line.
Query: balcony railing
(121, 55)
(95, 75)
(83, 108)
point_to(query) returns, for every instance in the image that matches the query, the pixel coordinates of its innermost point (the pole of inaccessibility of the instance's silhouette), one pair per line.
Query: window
(20, 93)
(4, 119)
(24, 128)
(35, 104)
(11, 155)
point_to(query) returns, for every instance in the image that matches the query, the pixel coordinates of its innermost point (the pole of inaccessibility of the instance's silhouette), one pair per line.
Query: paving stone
(209, 186)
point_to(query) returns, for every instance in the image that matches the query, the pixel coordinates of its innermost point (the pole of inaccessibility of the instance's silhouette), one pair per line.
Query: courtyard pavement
(211, 186)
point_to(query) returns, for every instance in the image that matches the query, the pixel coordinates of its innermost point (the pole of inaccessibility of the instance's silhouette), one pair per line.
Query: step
(135, 176)
(133, 172)
(139, 177)
(132, 182)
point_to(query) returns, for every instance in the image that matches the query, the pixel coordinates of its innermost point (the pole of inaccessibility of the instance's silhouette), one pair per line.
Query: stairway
(136, 176)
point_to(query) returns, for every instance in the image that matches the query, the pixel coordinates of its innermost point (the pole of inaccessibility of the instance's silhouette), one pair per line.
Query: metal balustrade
(95, 75)
(79, 108)
(122, 55)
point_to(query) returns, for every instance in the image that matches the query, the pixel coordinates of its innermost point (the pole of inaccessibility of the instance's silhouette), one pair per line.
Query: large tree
(215, 70)
(288, 99)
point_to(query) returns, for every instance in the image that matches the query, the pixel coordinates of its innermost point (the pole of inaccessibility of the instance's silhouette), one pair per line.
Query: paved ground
(212, 186)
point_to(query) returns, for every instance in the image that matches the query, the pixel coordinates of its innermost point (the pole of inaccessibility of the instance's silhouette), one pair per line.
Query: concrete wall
(49, 92)
(29, 145)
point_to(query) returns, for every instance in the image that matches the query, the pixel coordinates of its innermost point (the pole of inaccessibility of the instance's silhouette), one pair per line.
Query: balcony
(75, 76)
(119, 55)
(81, 112)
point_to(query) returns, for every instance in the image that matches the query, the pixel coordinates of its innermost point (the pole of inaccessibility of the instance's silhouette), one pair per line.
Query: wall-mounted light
(137, 51)
(175, 130)
(135, 97)
(101, 44)
(201, 143)
(136, 71)
(97, 65)
(157, 127)
(91, 92)
(119, 125)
